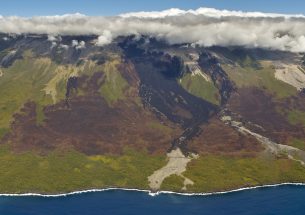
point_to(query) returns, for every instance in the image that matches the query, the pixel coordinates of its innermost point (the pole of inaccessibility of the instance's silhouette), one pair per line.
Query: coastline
(149, 192)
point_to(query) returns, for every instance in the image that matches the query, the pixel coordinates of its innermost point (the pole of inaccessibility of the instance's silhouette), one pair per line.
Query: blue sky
(113, 7)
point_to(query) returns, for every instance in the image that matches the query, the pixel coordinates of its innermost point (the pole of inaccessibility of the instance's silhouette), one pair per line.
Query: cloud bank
(204, 26)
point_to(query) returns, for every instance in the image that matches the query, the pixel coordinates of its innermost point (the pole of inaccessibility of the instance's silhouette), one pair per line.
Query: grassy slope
(56, 87)
(296, 117)
(297, 143)
(21, 82)
(62, 172)
(113, 87)
(173, 183)
(263, 78)
(43, 81)
(70, 171)
(216, 173)
(201, 88)
(36, 79)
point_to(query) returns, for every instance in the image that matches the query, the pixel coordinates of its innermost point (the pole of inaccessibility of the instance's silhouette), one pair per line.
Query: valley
(140, 113)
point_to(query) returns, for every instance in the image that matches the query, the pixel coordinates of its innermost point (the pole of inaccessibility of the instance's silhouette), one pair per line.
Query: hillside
(140, 113)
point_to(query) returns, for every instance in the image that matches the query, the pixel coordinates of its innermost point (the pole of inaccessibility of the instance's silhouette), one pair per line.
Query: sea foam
(151, 193)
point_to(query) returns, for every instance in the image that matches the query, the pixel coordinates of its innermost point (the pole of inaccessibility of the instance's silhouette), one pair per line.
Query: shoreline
(149, 192)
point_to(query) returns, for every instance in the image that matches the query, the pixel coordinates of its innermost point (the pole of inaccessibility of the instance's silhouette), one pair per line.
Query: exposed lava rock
(221, 80)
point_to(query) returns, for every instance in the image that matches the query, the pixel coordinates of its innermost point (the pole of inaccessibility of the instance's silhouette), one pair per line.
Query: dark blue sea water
(288, 200)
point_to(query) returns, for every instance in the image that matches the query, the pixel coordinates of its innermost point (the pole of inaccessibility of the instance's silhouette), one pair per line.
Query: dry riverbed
(176, 165)
(272, 147)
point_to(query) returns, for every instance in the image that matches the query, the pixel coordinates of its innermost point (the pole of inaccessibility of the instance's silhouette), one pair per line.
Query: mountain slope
(140, 113)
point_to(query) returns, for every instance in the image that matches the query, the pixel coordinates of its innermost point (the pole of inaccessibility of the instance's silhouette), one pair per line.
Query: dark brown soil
(89, 125)
(258, 107)
(216, 137)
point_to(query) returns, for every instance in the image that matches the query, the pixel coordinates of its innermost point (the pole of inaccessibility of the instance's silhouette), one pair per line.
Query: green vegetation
(4, 53)
(3, 131)
(215, 173)
(40, 117)
(70, 171)
(159, 127)
(241, 56)
(23, 81)
(44, 82)
(201, 88)
(248, 62)
(56, 87)
(262, 78)
(35, 79)
(113, 87)
(297, 143)
(173, 183)
(296, 117)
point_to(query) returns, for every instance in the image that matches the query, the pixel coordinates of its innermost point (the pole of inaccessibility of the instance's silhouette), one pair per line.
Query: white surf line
(70, 193)
(229, 191)
(151, 193)
(176, 165)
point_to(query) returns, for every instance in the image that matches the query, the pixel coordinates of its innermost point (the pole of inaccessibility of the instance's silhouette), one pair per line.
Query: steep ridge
(211, 65)
(160, 69)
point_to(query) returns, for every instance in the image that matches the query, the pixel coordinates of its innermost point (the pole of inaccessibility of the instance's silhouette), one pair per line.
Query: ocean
(286, 200)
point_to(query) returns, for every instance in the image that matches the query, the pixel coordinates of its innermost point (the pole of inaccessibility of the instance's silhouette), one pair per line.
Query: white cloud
(78, 44)
(209, 12)
(54, 44)
(81, 45)
(105, 38)
(204, 26)
(52, 38)
(74, 43)
(63, 46)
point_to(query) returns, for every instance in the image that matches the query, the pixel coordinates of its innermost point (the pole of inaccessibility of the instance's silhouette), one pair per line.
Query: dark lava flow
(71, 85)
(161, 92)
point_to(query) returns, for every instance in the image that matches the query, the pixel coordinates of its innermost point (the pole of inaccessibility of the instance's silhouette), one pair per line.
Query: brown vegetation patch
(89, 125)
(258, 107)
(217, 137)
